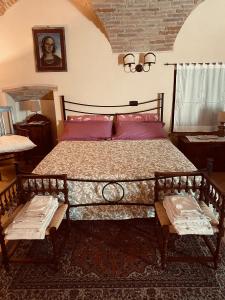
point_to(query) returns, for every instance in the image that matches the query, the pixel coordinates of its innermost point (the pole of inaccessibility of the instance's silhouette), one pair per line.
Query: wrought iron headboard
(159, 103)
(6, 120)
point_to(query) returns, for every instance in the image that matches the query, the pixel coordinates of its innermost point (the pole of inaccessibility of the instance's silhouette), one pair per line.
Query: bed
(114, 178)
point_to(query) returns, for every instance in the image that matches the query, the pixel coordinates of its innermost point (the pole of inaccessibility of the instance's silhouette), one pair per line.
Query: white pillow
(15, 143)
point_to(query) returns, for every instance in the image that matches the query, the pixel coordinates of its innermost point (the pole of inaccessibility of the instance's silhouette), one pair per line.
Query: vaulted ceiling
(5, 4)
(134, 25)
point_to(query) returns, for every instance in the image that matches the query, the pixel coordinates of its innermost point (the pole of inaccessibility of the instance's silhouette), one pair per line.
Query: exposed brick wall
(143, 25)
(134, 25)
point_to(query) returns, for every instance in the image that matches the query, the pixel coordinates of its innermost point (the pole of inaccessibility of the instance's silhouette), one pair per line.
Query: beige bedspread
(112, 160)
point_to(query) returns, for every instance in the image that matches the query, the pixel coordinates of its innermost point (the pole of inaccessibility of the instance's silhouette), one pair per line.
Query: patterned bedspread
(112, 160)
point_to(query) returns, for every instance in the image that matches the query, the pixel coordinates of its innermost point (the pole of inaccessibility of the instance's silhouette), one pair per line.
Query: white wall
(94, 75)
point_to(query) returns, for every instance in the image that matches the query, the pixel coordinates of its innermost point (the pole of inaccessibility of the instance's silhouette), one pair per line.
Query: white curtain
(200, 95)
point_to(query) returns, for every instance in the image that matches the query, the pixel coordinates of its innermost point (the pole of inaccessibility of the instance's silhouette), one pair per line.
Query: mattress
(117, 161)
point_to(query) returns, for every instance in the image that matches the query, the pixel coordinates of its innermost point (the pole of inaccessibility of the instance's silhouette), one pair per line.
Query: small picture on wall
(49, 49)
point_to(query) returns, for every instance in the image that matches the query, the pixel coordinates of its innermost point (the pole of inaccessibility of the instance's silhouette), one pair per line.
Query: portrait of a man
(49, 45)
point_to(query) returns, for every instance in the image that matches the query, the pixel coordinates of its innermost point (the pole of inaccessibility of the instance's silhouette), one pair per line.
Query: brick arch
(132, 25)
(5, 4)
(143, 25)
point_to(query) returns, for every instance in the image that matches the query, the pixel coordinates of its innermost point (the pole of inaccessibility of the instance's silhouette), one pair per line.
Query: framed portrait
(49, 49)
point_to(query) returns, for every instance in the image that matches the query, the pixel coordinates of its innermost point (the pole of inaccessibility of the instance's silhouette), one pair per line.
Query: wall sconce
(129, 63)
(221, 119)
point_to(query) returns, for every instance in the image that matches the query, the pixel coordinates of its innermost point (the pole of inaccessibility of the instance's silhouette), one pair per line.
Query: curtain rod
(193, 63)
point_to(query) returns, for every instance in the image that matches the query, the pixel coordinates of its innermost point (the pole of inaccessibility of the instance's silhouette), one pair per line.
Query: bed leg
(5, 259)
(54, 248)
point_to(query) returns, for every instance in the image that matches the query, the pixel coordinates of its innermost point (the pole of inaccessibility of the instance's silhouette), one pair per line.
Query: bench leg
(5, 259)
(216, 255)
(54, 247)
(68, 223)
(165, 233)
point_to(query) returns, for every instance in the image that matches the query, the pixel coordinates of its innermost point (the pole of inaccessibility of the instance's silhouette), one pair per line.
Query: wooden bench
(206, 194)
(14, 197)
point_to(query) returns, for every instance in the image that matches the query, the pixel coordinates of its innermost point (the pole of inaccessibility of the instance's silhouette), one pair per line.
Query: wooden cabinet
(38, 129)
(204, 154)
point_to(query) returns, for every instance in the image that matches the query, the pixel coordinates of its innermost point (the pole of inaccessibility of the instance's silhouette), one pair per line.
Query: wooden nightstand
(38, 128)
(203, 153)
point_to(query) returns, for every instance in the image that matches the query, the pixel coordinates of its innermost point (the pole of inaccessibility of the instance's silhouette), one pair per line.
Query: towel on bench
(33, 219)
(186, 215)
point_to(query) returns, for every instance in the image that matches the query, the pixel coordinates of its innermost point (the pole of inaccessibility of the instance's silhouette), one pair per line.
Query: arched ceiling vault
(5, 4)
(134, 25)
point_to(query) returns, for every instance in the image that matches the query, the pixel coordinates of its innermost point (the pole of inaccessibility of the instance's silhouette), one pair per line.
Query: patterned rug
(113, 260)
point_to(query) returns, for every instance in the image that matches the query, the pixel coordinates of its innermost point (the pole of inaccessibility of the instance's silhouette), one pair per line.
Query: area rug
(113, 260)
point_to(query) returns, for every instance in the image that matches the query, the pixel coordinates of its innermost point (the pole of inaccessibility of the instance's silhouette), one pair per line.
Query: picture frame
(49, 49)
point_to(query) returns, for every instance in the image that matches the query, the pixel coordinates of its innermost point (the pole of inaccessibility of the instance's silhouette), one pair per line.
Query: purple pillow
(86, 131)
(139, 131)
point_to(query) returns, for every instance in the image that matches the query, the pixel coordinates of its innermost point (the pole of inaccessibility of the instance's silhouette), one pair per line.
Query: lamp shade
(31, 105)
(35, 105)
(128, 59)
(25, 105)
(221, 116)
(149, 58)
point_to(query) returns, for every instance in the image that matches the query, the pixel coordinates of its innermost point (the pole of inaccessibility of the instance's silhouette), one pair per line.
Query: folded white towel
(186, 215)
(25, 234)
(28, 210)
(38, 205)
(183, 204)
(194, 228)
(191, 215)
(26, 226)
(30, 222)
(36, 215)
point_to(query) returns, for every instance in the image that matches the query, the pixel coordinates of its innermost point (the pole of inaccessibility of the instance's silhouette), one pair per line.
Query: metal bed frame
(156, 105)
(159, 103)
(108, 182)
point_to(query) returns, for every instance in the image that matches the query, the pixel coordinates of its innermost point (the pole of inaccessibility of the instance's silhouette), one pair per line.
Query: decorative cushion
(89, 118)
(15, 143)
(144, 117)
(139, 131)
(87, 131)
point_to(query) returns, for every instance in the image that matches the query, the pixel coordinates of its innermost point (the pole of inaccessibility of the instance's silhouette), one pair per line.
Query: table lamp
(221, 119)
(35, 106)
